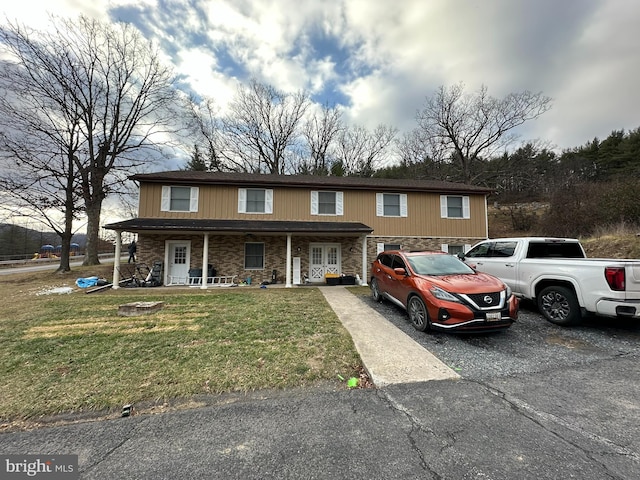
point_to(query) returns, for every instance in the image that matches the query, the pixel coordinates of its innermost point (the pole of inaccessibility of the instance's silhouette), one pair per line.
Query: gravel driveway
(531, 345)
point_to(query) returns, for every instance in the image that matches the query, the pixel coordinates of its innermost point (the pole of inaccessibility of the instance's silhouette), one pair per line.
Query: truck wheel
(560, 306)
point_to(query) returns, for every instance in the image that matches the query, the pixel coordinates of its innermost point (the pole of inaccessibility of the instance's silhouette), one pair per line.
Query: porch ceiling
(163, 225)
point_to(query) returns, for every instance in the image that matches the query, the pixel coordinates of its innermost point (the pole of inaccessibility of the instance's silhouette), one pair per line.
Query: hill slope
(619, 243)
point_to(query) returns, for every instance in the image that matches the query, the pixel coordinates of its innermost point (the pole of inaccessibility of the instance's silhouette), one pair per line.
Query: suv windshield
(438, 265)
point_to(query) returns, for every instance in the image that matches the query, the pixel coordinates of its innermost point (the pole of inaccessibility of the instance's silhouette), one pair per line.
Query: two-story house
(293, 229)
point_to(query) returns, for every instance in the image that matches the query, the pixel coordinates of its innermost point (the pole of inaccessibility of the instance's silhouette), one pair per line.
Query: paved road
(534, 402)
(52, 266)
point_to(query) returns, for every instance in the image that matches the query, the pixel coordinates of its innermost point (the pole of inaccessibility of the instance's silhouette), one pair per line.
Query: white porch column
(288, 275)
(364, 261)
(205, 262)
(116, 261)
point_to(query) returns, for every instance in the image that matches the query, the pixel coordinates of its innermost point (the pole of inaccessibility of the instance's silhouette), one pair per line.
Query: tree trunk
(68, 216)
(66, 248)
(93, 227)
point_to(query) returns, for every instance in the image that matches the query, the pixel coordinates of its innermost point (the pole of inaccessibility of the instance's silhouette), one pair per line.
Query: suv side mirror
(460, 255)
(400, 271)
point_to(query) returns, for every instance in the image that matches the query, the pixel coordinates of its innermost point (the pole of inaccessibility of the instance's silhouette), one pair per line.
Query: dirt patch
(570, 343)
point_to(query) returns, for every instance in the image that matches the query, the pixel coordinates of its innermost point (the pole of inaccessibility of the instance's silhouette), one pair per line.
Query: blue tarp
(87, 282)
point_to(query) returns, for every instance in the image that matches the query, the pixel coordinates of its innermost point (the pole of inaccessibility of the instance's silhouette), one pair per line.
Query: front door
(178, 260)
(323, 258)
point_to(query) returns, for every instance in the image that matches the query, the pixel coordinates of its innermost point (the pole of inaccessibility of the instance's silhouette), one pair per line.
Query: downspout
(364, 261)
(288, 262)
(116, 261)
(205, 262)
(486, 217)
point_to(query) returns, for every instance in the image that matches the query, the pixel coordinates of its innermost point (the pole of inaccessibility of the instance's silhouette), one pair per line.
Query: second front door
(323, 258)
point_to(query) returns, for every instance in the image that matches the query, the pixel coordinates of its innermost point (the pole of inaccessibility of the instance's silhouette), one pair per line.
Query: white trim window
(254, 256)
(179, 199)
(454, 206)
(454, 249)
(391, 204)
(326, 203)
(255, 200)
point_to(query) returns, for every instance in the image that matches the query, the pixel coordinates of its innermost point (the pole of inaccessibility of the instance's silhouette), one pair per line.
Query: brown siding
(359, 206)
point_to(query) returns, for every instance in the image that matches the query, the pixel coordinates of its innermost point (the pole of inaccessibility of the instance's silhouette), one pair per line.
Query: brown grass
(613, 241)
(73, 354)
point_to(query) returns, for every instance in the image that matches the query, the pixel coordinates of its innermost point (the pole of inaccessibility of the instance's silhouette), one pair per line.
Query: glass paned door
(178, 262)
(332, 264)
(323, 258)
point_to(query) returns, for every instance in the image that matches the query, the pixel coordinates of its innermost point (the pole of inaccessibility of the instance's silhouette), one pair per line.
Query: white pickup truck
(555, 273)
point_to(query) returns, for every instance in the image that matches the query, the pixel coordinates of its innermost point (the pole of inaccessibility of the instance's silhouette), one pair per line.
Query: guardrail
(41, 261)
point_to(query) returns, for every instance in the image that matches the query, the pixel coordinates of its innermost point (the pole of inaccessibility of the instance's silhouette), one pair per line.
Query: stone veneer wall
(413, 243)
(226, 252)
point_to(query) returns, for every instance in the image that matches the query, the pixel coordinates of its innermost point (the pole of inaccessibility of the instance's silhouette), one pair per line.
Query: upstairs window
(255, 200)
(179, 199)
(391, 204)
(326, 203)
(454, 206)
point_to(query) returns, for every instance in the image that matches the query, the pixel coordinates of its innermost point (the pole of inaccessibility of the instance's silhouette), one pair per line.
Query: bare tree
(210, 147)
(414, 151)
(464, 128)
(37, 188)
(262, 127)
(359, 152)
(39, 138)
(320, 131)
(102, 91)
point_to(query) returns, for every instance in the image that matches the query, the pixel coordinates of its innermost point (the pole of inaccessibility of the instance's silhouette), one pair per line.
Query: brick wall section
(226, 252)
(413, 243)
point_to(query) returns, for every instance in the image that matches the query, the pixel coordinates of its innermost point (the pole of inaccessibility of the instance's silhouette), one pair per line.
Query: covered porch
(289, 252)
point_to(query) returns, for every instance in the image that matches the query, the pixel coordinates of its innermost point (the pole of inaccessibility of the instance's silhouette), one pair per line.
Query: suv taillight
(615, 277)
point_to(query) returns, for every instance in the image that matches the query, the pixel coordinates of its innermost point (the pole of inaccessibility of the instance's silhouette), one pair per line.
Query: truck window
(555, 250)
(503, 249)
(479, 251)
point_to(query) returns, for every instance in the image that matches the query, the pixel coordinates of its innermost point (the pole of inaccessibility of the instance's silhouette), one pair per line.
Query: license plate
(494, 316)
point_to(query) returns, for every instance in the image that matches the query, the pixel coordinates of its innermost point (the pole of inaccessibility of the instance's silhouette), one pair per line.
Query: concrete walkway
(389, 355)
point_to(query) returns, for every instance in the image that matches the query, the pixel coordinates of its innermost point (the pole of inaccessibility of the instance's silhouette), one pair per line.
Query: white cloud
(199, 66)
(583, 53)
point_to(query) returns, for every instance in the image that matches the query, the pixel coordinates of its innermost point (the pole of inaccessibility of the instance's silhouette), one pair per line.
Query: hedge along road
(530, 345)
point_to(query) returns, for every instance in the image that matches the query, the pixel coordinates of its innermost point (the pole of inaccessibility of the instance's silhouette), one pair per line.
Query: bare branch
(87, 99)
(467, 128)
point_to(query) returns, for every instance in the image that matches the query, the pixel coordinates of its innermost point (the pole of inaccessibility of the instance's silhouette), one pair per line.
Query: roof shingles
(192, 177)
(238, 226)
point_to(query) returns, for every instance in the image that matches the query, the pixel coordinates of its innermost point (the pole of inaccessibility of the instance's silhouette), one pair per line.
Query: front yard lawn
(74, 353)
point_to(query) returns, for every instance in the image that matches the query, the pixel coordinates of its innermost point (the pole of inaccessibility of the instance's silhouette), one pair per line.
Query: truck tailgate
(633, 279)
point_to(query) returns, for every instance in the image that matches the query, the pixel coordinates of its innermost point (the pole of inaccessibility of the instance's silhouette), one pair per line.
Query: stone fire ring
(139, 308)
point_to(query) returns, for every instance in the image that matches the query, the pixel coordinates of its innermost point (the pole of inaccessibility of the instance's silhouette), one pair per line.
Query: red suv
(440, 292)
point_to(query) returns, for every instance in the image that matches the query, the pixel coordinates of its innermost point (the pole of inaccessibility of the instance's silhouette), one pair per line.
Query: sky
(380, 59)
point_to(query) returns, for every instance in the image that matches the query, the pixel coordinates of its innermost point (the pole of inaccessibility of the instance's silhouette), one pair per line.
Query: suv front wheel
(418, 314)
(375, 291)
